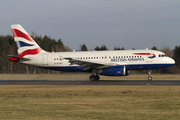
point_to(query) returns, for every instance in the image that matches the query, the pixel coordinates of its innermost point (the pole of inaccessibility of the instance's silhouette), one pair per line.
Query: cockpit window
(162, 55)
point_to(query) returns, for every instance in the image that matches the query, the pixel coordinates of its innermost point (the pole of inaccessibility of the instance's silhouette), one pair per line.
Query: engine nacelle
(114, 71)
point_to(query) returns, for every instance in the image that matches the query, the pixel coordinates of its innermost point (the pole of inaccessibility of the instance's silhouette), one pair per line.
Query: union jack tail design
(25, 44)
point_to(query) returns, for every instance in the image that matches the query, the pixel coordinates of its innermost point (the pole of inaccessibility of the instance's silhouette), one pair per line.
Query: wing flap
(88, 64)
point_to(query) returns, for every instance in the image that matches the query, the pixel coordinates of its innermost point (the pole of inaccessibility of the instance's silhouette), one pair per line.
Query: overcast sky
(122, 23)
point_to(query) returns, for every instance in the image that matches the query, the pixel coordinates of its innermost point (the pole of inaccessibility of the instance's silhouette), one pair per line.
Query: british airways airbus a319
(108, 63)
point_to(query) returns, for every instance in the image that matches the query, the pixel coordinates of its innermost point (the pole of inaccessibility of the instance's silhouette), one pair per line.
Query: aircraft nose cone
(171, 61)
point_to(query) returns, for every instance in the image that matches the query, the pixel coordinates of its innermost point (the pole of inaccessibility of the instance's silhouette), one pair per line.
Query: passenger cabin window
(162, 55)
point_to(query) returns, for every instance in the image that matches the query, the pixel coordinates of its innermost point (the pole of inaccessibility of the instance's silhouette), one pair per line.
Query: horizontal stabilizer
(17, 58)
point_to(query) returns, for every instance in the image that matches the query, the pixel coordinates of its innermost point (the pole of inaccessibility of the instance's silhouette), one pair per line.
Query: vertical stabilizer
(25, 44)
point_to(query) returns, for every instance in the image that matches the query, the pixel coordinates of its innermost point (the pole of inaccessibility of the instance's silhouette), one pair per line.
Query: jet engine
(114, 71)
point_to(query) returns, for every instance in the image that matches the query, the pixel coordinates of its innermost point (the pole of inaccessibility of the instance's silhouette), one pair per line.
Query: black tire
(149, 78)
(97, 77)
(92, 78)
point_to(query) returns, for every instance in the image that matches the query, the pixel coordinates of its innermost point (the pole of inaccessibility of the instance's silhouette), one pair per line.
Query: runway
(87, 82)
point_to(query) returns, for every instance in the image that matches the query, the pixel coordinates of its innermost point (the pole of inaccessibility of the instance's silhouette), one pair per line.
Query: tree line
(8, 47)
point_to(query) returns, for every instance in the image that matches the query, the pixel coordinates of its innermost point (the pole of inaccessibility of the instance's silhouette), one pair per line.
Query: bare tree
(167, 51)
(27, 69)
(33, 34)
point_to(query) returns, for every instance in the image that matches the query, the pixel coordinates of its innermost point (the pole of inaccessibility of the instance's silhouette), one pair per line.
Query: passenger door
(45, 59)
(148, 56)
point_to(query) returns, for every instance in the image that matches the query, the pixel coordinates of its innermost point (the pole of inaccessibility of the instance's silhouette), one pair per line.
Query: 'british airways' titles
(126, 59)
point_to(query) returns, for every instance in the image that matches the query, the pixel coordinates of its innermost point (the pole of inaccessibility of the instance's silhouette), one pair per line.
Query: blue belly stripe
(129, 67)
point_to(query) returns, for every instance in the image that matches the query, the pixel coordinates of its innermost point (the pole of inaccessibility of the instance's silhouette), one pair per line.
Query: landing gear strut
(94, 77)
(149, 75)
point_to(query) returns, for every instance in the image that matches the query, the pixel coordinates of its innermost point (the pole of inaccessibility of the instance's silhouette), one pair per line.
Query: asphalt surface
(87, 82)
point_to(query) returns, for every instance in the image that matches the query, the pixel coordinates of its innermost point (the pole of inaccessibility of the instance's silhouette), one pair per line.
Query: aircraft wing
(18, 58)
(88, 64)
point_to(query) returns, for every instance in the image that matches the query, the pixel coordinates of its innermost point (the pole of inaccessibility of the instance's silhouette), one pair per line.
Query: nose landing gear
(149, 75)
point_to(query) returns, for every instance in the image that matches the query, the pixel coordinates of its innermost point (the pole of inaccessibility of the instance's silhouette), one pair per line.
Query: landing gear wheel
(149, 78)
(149, 75)
(97, 77)
(94, 77)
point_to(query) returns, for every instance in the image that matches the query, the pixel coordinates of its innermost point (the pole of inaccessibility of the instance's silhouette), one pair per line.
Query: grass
(85, 77)
(79, 102)
(85, 102)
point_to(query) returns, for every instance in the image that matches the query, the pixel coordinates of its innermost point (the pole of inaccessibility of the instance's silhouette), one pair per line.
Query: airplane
(107, 63)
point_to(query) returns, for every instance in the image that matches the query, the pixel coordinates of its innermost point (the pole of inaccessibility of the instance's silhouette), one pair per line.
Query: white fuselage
(134, 59)
(109, 63)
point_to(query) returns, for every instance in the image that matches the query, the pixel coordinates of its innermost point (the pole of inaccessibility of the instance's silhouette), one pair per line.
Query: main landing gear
(94, 77)
(149, 75)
